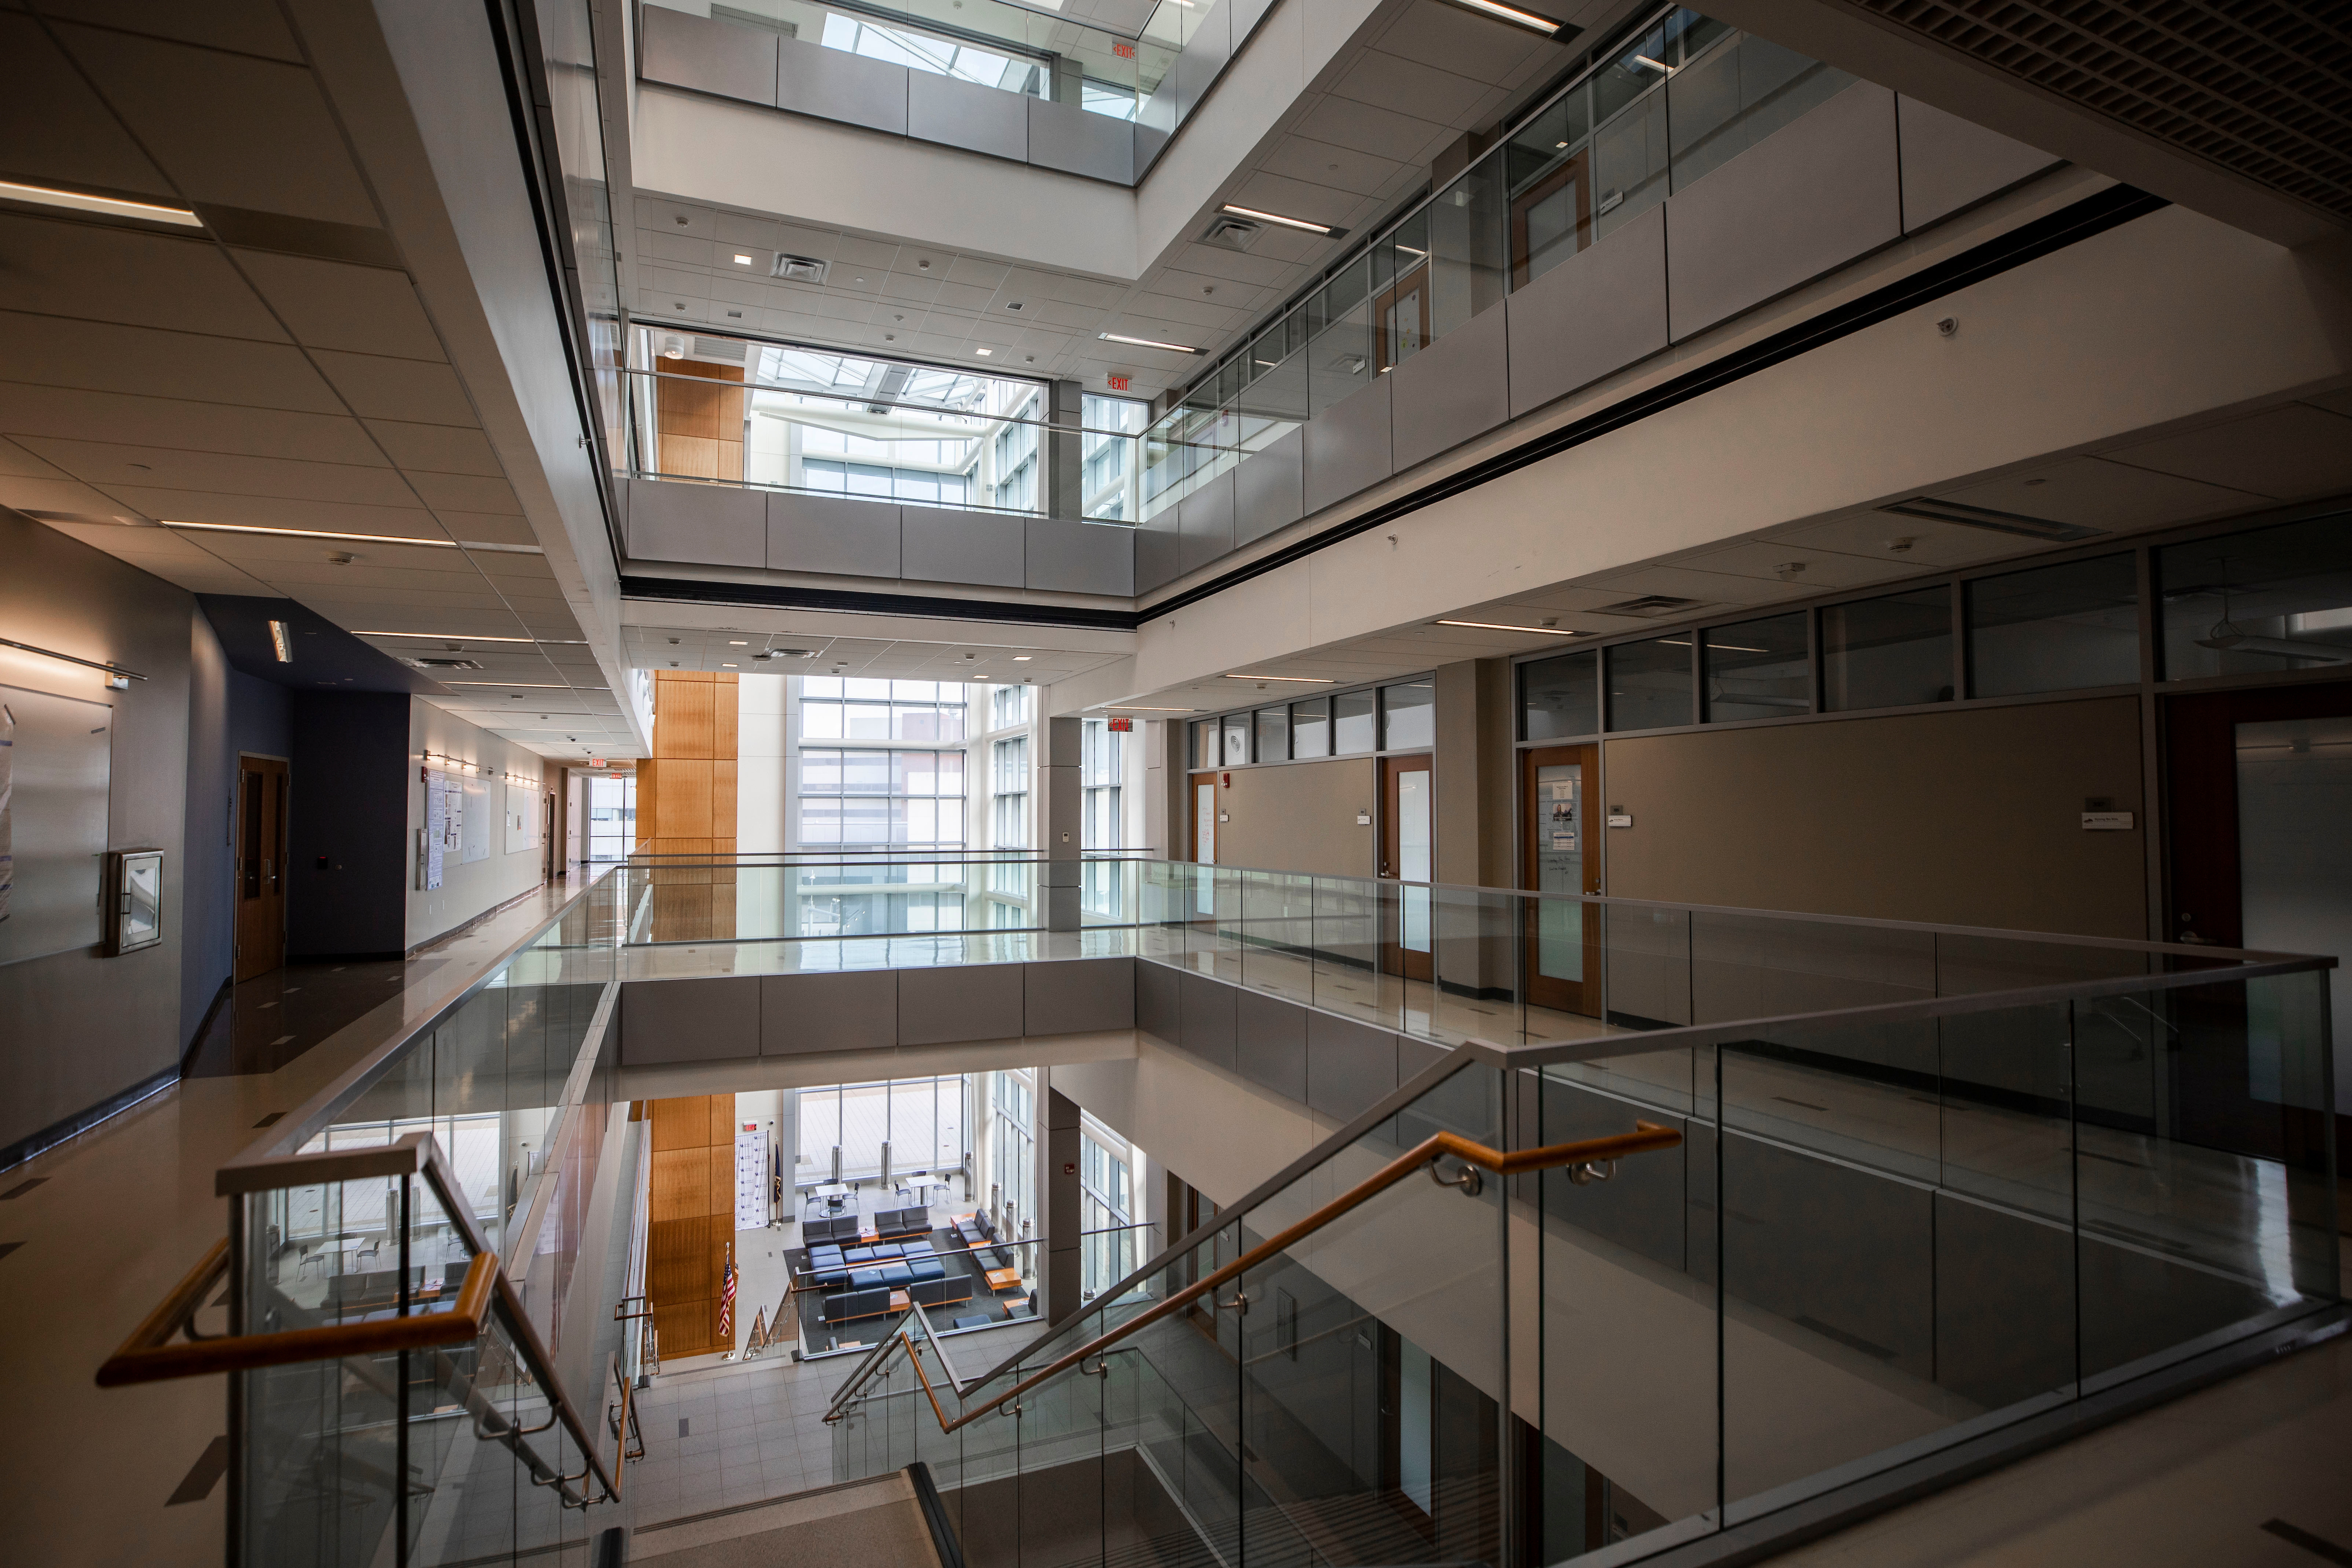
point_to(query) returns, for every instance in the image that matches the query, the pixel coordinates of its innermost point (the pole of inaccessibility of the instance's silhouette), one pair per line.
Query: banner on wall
(444, 821)
(750, 1180)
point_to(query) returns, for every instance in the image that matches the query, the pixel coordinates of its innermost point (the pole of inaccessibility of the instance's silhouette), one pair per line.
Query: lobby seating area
(856, 1268)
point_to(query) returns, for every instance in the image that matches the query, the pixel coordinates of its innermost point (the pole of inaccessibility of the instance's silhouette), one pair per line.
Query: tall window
(1009, 706)
(921, 1119)
(1008, 789)
(612, 816)
(1099, 755)
(1106, 1206)
(881, 764)
(1013, 1164)
(1015, 487)
(1107, 459)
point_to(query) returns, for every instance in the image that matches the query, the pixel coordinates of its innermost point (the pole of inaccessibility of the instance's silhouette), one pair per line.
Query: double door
(260, 866)
(1558, 854)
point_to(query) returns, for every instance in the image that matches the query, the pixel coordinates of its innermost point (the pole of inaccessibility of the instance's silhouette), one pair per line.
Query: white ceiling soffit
(272, 370)
(1412, 82)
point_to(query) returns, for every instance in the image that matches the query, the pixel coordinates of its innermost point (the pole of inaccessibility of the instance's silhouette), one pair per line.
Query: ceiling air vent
(1232, 233)
(442, 663)
(1647, 605)
(766, 654)
(723, 351)
(798, 268)
(1994, 521)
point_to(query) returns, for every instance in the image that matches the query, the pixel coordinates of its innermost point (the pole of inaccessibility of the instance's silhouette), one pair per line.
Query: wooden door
(1205, 818)
(1551, 220)
(260, 866)
(1559, 852)
(1400, 318)
(1407, 850)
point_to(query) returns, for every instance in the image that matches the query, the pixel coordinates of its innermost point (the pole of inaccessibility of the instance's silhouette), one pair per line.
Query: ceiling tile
(129, 276)
(487, 527)
(409, 390)
(56, 129)
(1458, 40)
(104, 357)
(1383, 133)
(247, 27)
(263, 511)
(279, 151)
(1380, 77)
(1323, 163)
(2092, 493)
(2287, 453)
(437, 448)
(175, 423)
(1933, 545)
(465, 493)
(111, 464)
(330, 305)
(27, 493)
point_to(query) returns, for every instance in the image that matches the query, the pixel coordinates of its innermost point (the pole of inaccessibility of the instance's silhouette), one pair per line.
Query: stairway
(878, 1523)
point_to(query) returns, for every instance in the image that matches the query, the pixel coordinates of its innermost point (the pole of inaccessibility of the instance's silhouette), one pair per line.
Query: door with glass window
(1558, 854)
(1408, 848)
(260, 866)
(1401, 313)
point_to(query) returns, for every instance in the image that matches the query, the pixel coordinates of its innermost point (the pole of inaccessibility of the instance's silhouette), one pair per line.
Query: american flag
(727, 1297)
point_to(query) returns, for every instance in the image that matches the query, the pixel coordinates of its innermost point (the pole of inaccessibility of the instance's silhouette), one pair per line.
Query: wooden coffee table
(900, 1301)
(1004, 1278)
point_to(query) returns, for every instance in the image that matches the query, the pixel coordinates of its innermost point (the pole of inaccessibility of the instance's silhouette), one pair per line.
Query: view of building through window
(881, 764)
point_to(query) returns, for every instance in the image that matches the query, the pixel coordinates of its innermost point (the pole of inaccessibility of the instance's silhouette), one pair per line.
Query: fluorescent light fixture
(1736, 647)
(1646, 61)
(469, 636)
(283, 643)
(1299, 223)
(738, 642)
(1149, 344)
(310, 533)
(111, 206)
(983, 352)
(742, 261)
(1022, 658)
(1513, 15)
(1500, 627)
(528, 685)
(1139, 708)
(1295, 680)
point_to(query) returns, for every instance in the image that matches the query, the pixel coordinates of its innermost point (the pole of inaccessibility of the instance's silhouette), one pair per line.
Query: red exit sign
(1119, 383)
(1124, 51)
(1120, 723)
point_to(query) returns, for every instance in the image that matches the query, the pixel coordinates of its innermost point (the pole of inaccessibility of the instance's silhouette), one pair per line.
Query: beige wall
(1298, 816)
(1967, 817)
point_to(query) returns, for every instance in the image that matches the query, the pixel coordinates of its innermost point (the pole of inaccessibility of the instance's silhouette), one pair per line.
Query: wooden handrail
(1424, 1156)
(150, 1356)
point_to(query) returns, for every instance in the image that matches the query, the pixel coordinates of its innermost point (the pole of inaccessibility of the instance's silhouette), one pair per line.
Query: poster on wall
(475, 822)
(445, 814)
(750, 1180)
(55, 770)
(522, 818)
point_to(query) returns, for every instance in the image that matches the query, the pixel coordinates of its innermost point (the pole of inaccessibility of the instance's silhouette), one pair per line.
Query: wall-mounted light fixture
(116, 676)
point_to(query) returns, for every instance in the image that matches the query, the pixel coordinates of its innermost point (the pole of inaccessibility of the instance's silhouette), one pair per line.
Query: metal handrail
(1588, 1154)
(147, 1357)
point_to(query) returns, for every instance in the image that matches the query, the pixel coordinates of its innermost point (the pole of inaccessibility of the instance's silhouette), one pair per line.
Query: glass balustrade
(1875, 1232)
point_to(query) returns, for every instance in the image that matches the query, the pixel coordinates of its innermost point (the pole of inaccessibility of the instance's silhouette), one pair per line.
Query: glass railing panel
(1341, 348)
(1750, 966)
(1734, 91)
(1630, 1437)
(1865, 1296)
(1277, 932)
(1469, 243)
(1348, 947)
(2218, 1211)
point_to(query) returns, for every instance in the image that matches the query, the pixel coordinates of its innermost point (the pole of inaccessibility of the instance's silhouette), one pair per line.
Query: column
(1064, 478)
(1064, 741)
(1057, 1188)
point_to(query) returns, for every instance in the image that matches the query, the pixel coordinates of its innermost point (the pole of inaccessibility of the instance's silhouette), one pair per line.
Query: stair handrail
(1588, 1157)
(148, 1355)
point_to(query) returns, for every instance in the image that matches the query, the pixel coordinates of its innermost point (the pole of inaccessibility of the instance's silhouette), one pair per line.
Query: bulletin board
(444, 816)
(56, 759)
(522, 818)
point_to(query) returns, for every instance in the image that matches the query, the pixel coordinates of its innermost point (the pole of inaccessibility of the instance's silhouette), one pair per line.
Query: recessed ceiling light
(983, 352)
(280, 643)
(726, 667)
(469, 636)
(738, 642)
(741, 260)
(1022, 658)
(1299, 223)
(1518, 17)
(111, 206)
(1299, 680)
(1500, 627)
(1149, 344)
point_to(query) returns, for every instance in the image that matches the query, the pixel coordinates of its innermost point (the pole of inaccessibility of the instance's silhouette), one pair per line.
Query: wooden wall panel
(689, 808)
(682, 1184)
(692, 1214)
(722, 800)
(679, 1125)
(685, 800)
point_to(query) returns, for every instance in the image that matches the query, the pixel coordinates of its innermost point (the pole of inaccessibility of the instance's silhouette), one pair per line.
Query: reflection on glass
(1758, 670)
(1310, 728)
(1205, 733)
(1352, 723)
(1274, 734)
(1237, 739)
(1888, 653)
(1560, 698)
(1650, 684)
(2054, 628)
(1408, 716)
(2255, 604)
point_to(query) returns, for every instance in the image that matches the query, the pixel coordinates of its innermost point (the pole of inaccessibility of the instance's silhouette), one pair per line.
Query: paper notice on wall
(474, 837)
(750, 1180)
(440, 800)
